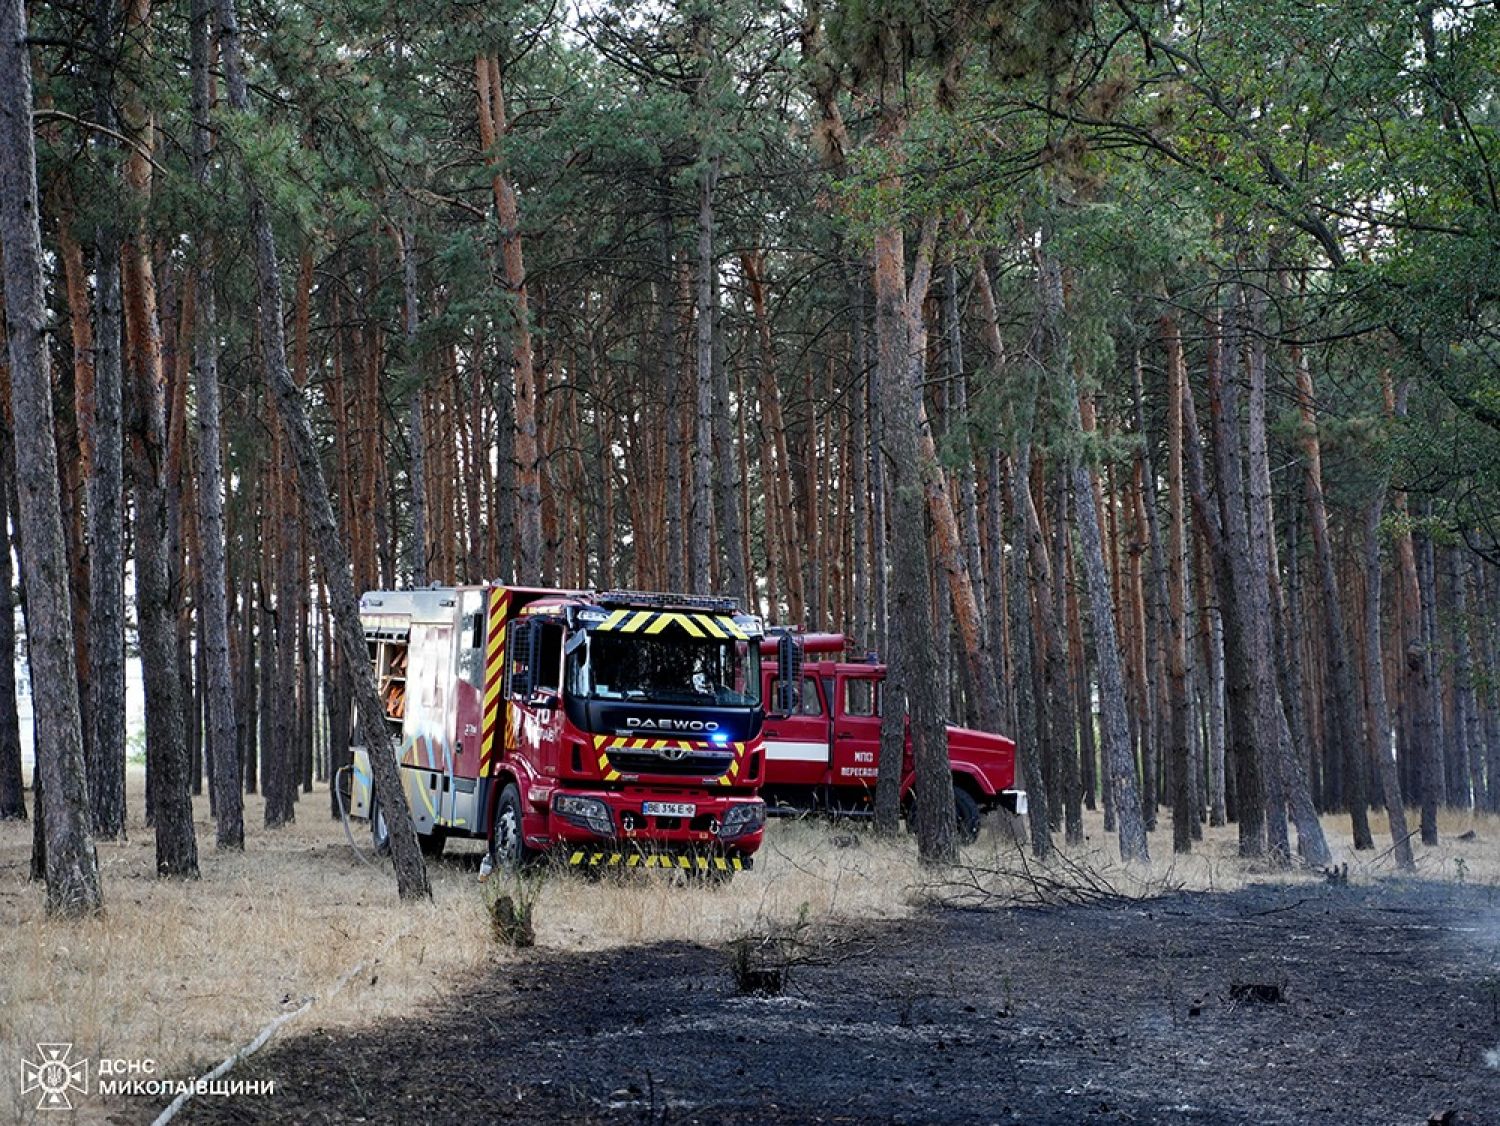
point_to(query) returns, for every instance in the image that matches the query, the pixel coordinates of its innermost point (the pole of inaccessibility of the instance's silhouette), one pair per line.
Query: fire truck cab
(822, 739)
(618, 728)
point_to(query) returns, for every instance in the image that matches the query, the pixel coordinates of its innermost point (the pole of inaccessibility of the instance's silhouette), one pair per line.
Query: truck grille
(705, 763)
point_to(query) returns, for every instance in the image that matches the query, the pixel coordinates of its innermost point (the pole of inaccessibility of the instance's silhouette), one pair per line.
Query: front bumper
(655, 840)
(638, 858)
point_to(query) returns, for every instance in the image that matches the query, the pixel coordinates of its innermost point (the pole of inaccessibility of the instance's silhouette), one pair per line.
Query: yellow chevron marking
(708, 625)
(729, 627)
(734, 768)
(600, 741)
(641, 618)
(576, 858)
(634, 859)
(684, 862)
(724, 781)
(603, 762)
(612, 775)
(614, 858)
(614, 620)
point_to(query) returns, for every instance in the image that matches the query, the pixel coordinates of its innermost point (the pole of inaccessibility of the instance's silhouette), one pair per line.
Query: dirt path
(1390, 1001)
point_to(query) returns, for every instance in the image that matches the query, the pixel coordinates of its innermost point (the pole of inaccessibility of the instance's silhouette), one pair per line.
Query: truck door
(856, 734)
(796, 745)
(536, 713)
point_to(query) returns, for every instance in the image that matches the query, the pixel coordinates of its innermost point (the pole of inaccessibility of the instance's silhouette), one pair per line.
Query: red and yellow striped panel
(494, 678)
(604, 743)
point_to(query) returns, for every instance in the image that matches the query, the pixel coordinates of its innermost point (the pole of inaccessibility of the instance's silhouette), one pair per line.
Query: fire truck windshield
(675, 670)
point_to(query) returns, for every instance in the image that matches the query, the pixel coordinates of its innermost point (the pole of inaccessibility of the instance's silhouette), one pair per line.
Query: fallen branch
(224, 1066)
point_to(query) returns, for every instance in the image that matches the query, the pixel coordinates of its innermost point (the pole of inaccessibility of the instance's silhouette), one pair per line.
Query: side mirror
(788, 674)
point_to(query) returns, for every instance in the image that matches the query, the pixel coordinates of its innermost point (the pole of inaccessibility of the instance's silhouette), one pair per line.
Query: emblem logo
(54, 1076)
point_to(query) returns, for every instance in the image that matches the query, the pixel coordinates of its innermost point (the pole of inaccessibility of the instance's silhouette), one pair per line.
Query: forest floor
(1268, 1005)
(627, 1010)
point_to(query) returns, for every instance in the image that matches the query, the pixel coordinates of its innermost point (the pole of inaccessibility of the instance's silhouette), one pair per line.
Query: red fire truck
(616, 728)
(822, 739)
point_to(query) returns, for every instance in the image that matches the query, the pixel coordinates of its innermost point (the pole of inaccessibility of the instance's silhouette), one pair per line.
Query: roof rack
(657, 600)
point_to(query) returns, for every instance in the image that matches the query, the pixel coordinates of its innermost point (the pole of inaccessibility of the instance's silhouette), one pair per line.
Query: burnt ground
(1162, 1011)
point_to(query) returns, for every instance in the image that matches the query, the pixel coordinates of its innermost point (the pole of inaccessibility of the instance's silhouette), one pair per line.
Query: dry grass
(185, 973)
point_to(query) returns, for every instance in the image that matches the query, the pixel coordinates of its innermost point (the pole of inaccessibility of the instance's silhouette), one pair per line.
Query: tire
(969, 816)
(966, 811)
(432, 843)
(508, 848)
(380, 832)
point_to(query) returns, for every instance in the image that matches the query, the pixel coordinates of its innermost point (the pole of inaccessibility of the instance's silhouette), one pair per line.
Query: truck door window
(471, 649)
(861, 697)
(808, 703)
(548, 671)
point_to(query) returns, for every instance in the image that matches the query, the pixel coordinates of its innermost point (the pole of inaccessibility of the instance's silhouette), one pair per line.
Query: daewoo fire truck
(822, 739)
(618, 728)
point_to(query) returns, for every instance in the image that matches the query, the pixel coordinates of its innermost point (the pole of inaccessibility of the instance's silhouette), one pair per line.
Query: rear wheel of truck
(966, 811)
(380, 832)
(969, 816)
(508, 848)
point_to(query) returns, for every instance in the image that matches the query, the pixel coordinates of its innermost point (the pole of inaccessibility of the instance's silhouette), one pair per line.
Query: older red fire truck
(617, 728)
(822, 739)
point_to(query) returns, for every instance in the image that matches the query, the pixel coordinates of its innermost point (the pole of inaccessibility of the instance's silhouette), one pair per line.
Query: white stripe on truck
(785, 750)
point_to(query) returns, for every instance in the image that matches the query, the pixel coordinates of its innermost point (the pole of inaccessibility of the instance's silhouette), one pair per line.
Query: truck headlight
(744, 818)
(591, 813)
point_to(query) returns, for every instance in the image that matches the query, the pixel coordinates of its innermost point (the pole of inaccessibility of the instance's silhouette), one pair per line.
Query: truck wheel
(966, 811)
(432, 843)
(969, 816)
(507, 841)
(380, 832)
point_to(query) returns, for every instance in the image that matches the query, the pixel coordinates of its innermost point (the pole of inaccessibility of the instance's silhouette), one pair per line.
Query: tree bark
(1382, 746)
(71, 866)
(915, 679)
(12, 784)
(213, 609)
(411, 872)
(1184, 816)
(1114, 724)
(168, 762)
(493, 128)
(1346, 729)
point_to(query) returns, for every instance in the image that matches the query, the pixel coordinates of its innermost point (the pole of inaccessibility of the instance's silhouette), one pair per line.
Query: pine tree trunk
(1382, 746)
(213, 610)
(1114, 723)
(1467, 737)
(1247, 657)
(901, 367)
(12, 784)
(416, 442)
(411, 872)
(167, 753)
(1346, 729)
(1235, 666)
(493, 128)
(702, 493)
(71, 866)
(1179, 750)
(728, 488)
(1490, 648)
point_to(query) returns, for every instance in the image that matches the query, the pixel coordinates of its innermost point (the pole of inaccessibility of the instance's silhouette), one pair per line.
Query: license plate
(669, 809)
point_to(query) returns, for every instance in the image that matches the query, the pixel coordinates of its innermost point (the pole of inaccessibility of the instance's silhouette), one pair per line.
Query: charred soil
(1271, 1005)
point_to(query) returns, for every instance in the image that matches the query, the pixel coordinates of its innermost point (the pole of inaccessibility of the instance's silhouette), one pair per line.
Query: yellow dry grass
(184, 973)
